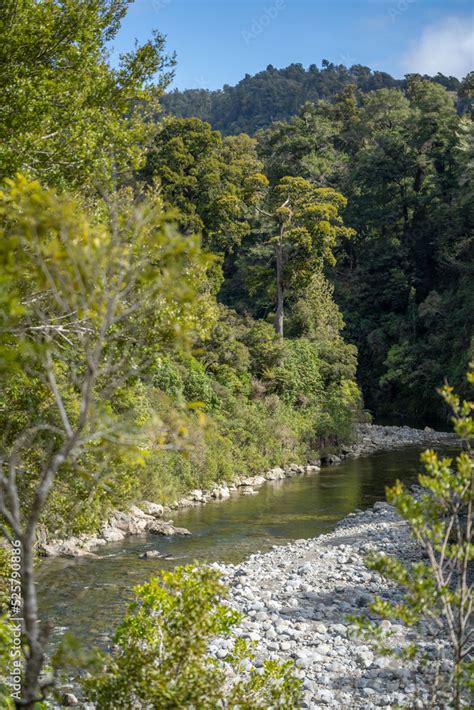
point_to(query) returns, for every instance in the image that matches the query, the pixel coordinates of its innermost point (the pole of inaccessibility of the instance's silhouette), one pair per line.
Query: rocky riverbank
(374, 437)
(296, 600)
(153, 518)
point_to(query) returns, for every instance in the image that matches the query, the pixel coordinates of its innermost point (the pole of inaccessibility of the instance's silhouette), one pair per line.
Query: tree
(305, 225)
(67, 117)
(304, 147)
(161, 657)
(209, 182)
(85, 308)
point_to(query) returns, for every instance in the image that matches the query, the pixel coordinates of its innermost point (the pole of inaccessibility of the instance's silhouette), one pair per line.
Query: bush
(161, 657)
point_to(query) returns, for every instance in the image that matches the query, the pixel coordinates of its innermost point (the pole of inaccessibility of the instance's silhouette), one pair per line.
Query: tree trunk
(279, 284)
(35, 657)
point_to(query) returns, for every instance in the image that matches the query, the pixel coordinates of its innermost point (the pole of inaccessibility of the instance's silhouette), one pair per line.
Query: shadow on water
(88, 596)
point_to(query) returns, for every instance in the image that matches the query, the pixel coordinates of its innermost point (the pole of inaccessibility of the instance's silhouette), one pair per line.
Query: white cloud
(446, 47)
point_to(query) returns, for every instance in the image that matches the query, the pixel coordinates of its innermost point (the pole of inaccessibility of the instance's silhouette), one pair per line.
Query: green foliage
(298, 378)
(314, 223)
(161, 657)
(68, 118)
(403, 159)
(257, 401)
(303, 147)
(56, 316)
(438, 593)
(208, 181)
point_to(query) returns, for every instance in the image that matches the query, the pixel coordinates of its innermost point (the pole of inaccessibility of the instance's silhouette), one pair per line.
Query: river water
(89, 596)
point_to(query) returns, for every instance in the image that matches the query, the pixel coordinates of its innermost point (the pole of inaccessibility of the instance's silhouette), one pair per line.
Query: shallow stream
(89, 596)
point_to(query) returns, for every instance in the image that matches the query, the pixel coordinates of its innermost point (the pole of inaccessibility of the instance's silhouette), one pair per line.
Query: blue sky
(218, 41)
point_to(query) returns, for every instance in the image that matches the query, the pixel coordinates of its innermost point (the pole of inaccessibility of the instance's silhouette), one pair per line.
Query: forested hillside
(405, 281)
(278, 94)
(402, 157)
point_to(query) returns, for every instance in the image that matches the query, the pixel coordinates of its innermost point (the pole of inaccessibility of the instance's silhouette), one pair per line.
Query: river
(88, 596)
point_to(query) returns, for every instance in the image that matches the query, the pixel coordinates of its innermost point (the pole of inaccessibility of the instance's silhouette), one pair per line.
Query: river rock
(296, 468)
(253, 481)
(49, 549)
(220, 492)
(296, 599)
(161, 527)
(73, 547)
(373, 437)
(150, 555)
(69, 700)
(331, 459)
(154, 509)
(186, 503)
(112, 534)
(137, 512)
(130, 524)
(196, 495)
(275, 474)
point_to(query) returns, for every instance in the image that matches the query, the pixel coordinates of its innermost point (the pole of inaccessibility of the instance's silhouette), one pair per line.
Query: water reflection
(88, 596)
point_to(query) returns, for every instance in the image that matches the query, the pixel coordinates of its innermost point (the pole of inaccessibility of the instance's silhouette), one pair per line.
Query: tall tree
(305, 225)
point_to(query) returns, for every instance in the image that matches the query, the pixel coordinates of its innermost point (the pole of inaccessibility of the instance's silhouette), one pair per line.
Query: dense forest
(402, 157)
(278, 94)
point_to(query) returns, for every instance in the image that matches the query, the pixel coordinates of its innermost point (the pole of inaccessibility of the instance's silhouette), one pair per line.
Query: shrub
(298, 378)
(161, 657)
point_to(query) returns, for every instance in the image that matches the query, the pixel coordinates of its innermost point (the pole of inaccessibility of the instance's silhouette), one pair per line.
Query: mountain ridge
(272, 94)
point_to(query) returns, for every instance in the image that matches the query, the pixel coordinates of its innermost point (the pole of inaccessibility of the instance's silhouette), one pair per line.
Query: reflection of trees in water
(92, 594)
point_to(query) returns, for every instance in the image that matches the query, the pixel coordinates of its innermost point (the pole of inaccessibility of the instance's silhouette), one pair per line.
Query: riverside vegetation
(167, 309)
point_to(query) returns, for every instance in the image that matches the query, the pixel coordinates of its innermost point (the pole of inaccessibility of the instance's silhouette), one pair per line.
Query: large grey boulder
(162, 527)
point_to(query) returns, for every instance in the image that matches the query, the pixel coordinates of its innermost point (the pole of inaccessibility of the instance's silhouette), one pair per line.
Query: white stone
(154, 509)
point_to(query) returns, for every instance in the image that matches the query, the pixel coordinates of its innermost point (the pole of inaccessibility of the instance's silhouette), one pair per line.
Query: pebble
(300, 595)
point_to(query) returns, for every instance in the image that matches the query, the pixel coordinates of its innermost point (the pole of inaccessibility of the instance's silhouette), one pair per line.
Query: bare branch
(56, 393)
